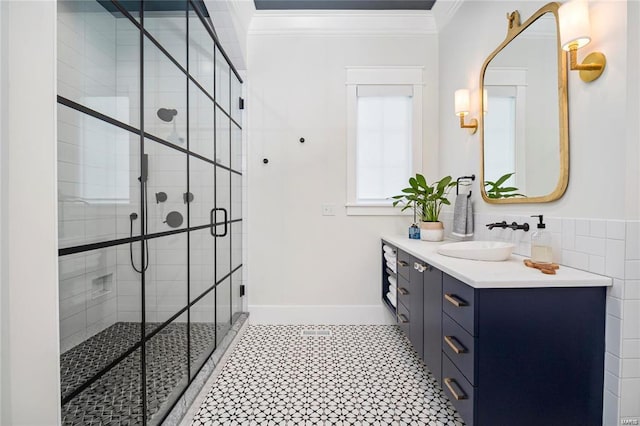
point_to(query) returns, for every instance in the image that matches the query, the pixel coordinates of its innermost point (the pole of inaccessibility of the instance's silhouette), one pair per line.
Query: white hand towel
(391, 299)
(393, 281)
(391, 266)
(393, 289)
(462, 217)
(388, 249)
(390, 258)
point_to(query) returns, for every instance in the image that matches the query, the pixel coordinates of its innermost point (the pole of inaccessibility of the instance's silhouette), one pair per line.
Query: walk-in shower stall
(150, 211)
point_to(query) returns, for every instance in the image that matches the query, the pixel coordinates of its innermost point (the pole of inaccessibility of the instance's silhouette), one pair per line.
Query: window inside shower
(149, 205)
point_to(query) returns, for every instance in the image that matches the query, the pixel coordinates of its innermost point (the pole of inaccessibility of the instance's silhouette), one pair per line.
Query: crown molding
(371, 23)
(444, 10)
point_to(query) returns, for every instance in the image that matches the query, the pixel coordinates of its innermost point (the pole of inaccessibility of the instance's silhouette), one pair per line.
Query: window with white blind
(384, 136)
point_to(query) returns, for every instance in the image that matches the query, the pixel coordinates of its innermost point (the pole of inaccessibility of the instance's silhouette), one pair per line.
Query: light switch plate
(328, 210)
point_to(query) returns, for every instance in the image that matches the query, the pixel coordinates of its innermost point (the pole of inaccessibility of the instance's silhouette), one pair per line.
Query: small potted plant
(427, 200)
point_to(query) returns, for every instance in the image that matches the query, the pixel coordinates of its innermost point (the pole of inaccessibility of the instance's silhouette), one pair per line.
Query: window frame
(388, 76)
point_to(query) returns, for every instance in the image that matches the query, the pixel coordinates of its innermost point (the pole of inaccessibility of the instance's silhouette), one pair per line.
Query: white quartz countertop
(510, 273)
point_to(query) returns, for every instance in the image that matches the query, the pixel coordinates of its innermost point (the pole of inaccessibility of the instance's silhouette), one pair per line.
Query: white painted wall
(305, 267)
(30, 375)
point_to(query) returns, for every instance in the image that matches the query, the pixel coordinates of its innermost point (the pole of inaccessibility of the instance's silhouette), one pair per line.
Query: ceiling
(344, 4)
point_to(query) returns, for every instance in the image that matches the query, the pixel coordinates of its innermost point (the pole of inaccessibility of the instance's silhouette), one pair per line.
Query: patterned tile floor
(115, 398)
(360, 375)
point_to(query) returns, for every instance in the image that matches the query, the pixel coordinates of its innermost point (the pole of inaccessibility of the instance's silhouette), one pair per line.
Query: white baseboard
(320, 314)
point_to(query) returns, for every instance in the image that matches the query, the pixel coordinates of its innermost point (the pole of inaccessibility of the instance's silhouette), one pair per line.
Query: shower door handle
(213, 223)
(226, 223)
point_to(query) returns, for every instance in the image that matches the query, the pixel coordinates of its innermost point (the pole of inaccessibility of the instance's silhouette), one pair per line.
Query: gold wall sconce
(575, 33)
(462, 109)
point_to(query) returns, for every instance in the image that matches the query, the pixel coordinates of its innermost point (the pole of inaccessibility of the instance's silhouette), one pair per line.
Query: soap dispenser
(541, 250)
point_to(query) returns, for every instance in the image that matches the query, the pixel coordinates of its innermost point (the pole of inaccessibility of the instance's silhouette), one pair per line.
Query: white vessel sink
(478, 250)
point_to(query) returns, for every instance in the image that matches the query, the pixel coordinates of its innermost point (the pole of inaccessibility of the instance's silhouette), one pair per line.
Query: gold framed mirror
(524, 127)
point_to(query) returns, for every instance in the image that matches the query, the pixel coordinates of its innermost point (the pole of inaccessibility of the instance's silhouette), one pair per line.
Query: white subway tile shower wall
(96, 164)
(88, 295)
(605, 247)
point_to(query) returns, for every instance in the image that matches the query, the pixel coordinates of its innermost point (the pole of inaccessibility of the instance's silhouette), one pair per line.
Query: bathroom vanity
(508, 344)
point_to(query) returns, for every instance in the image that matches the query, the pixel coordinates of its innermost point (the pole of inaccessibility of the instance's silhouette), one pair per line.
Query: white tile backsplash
(598, 228)
(582, 227)
(613, 335)
(632, 289)
(630, 389)
(575, 259)
(631, 348)
(614, 258)
(631, 325)
(568, 234)
(632, 270)
(611, 408)
(614, 306)
(617, 289)
(612, 364)
(631, 368)
(616, 229)
(633, 240)
(591, 245)
(596, 264)
(612, 383)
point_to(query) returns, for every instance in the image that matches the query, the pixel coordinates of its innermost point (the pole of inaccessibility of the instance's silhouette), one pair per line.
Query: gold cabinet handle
(451, 341)
(452, 384)
(402, 318)
(455, 300)
(403, 291)
(402, 263)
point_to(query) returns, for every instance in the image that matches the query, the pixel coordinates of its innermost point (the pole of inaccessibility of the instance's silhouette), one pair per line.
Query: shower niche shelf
(101, 286)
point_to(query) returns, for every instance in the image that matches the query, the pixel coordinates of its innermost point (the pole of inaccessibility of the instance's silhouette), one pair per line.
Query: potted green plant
(427, 201)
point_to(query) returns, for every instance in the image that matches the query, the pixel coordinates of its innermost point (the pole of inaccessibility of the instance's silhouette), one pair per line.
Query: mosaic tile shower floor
(115, 399)
(359, 375)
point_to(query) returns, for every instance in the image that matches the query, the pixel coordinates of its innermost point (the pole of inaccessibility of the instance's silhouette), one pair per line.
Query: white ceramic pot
(431, 231)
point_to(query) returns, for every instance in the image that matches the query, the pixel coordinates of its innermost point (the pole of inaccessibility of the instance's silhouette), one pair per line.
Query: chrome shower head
(166, 114)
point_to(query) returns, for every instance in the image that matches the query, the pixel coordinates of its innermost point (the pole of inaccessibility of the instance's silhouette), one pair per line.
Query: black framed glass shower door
(150, 214)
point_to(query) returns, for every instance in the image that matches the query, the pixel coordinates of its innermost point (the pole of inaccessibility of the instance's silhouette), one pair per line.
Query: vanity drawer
(404, 291)
(458, 390)
(459, 302)
(459, 346)
(403, 318)
(405, 264)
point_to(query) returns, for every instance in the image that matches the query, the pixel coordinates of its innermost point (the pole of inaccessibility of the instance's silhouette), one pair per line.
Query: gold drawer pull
(402, 318)
(403, 291)
(455, 300)
(451, 341)
(451, 383)
(402, 263)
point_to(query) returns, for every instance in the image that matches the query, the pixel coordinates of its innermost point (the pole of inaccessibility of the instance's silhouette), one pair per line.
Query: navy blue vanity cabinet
(432, 318)
(524, 356)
